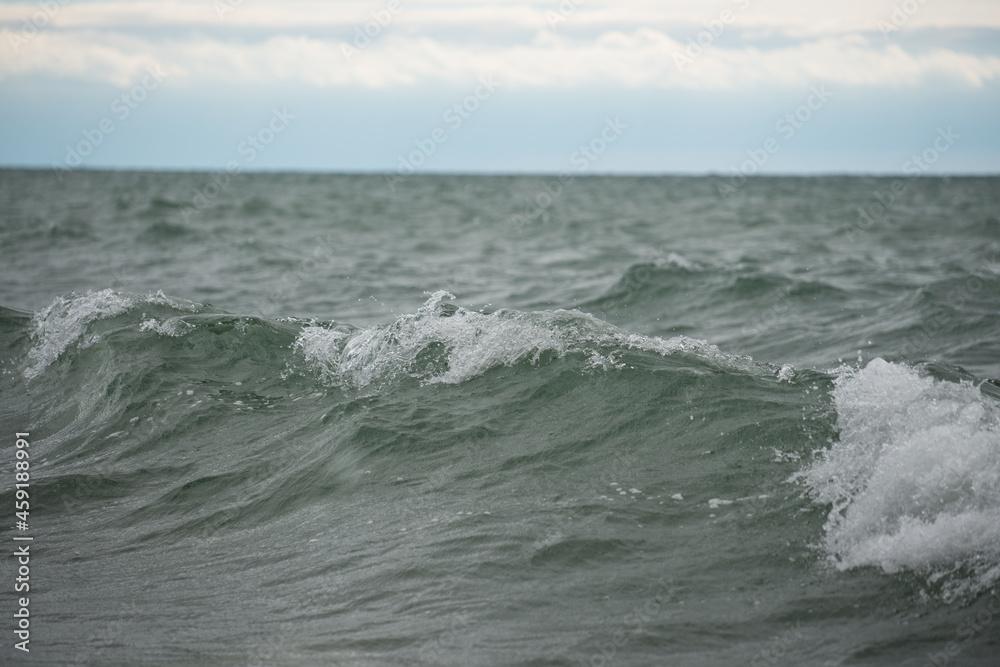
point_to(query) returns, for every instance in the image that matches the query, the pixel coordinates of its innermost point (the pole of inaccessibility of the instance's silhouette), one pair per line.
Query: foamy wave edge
(66, 320)
(914, 480)
(444, 343)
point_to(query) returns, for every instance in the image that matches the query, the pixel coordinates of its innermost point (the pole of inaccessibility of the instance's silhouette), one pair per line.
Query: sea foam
(443, 343)
(914, 479)
(66, 321)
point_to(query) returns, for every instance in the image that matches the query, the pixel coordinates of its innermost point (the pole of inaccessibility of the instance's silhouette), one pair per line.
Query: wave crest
(914, 480)
(444, 343)
(68, 320)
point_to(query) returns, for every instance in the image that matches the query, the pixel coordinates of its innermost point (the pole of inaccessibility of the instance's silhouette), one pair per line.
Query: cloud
(628, 44)
(788, 16)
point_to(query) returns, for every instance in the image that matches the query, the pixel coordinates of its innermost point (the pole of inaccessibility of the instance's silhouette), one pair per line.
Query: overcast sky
(393, 85)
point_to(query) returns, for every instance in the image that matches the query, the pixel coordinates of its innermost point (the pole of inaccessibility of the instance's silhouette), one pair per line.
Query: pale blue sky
(198, 84)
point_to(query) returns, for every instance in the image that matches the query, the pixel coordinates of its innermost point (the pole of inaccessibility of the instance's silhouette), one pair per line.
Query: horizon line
(484, 173)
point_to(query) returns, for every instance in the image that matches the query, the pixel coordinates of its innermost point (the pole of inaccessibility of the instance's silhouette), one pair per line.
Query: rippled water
(311, 419)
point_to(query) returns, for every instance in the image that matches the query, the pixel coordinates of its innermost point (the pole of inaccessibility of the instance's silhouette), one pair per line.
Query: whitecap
(914, 480)
(443, 343)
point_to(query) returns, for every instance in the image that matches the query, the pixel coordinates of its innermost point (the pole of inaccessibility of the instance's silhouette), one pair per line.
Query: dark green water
(310, 420)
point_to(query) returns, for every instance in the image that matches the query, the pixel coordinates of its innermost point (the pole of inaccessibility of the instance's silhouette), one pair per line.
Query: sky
(730, 87)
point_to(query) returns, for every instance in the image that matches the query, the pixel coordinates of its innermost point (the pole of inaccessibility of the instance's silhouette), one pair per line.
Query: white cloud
(791, 16)
(631, 43)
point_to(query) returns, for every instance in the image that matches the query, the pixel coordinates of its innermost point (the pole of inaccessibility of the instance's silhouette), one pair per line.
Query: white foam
(786, 374)
(441, 343)
(914, 479)
(679, 261)
(174, 327)
(65, 321)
